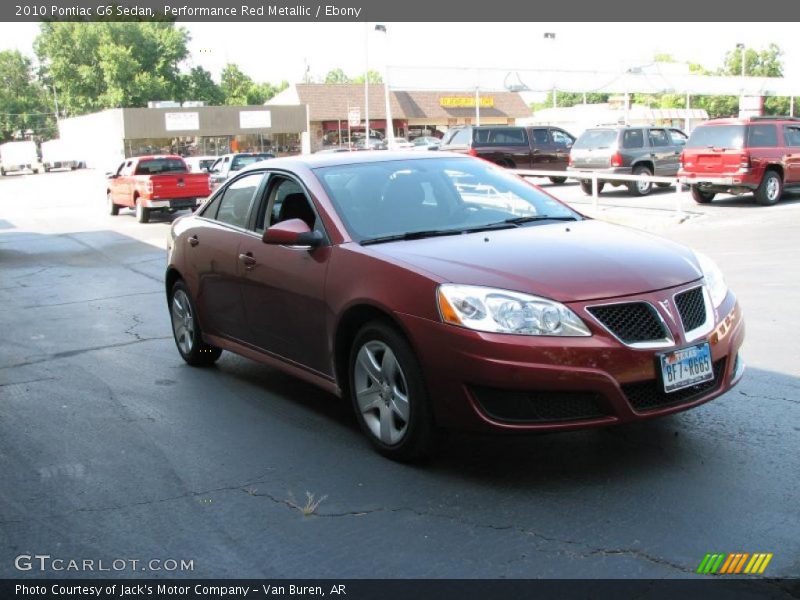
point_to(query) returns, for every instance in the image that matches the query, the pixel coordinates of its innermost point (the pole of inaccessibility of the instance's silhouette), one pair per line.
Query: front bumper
(584, 382)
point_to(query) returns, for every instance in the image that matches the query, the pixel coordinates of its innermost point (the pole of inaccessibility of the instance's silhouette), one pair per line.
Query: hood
(568, 262)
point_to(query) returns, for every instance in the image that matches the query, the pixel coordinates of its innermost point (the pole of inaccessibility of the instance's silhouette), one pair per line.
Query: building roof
(331, 101)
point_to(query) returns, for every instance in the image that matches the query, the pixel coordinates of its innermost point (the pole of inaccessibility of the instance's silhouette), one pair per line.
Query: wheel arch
(351, 321)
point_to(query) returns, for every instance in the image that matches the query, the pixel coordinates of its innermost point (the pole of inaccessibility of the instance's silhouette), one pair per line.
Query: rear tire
(700, 196)
(113, 209)
(558, 180)
(640, 188)
(586, 186)
(142, 212)
(389, 395)
(770, 190)
(186, 329)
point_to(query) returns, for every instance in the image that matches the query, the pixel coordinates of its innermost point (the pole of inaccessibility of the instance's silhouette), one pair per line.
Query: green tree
(236, 86)
(23, 100)
(197, 84)
(374, 77)
(337, 76)
(564, 99)
(111, 64)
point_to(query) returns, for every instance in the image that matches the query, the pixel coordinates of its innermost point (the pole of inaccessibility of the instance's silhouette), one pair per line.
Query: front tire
(113, 209)
(558, 180)
(700, 196)
(770, 190)
(142, 212)
(186, 329)
(389, 395)
(586, 186)
(641, 188)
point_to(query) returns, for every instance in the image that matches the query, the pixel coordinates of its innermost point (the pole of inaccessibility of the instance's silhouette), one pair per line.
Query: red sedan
(444, 292)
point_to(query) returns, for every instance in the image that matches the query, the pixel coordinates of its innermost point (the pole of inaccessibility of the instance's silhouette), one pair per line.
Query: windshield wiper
(410, 235)
(532, 219)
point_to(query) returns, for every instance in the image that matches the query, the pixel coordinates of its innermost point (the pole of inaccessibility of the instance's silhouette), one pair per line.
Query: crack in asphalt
(137, 320)
(110, 259)
(792, 400)
(27, 381)
(93, 299)
(69, 353)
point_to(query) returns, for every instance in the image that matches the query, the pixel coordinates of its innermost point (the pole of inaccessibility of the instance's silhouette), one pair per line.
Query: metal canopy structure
(657, 78)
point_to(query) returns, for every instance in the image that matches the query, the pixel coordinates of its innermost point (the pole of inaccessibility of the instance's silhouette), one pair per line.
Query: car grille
(692, 308)
(631, 322)
(538, 406)
(650, 395)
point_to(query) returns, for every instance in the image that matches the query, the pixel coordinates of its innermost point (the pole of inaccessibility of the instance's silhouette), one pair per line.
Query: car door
(562, 144)
(122, 185)
(791, 161)
(284, 286)
(665, 162)
(543, 152)
(214, 256)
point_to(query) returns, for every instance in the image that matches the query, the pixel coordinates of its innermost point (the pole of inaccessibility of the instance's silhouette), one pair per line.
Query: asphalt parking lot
(112, 448)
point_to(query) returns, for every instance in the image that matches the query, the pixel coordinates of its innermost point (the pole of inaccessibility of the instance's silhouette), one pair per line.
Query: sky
(282, 51)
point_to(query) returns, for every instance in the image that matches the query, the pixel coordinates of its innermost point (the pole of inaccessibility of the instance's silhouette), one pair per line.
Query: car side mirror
(294, 232)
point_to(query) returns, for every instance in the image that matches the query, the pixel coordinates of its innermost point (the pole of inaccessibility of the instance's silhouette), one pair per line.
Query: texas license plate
(686, 367)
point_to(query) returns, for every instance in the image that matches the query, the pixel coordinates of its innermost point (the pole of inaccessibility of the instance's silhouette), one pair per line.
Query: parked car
(426, 143)
(59, 154)
(759, 155)
(438, 290)
(401, 143)
(545, 148)
(628, 150)
(375, 143)
(200, 164)
(19, 156)
(154, 183)
(228, 164)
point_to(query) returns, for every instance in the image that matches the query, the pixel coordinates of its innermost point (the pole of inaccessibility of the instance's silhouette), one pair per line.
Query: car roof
(157, 157)
(335, 159)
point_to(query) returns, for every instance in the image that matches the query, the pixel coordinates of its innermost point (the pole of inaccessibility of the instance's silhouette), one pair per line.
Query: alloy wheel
(382, 392)
(182, 321)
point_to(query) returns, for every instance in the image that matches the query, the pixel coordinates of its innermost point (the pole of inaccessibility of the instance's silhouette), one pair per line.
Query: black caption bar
(391, 10)
(398, 589)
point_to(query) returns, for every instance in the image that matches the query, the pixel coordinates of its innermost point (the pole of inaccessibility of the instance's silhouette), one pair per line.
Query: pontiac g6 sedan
(443, 292)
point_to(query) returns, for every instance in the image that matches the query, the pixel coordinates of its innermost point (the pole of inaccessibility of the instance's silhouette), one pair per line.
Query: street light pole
(552, 36)
(741, 49)
(389, 123)
(366, 86)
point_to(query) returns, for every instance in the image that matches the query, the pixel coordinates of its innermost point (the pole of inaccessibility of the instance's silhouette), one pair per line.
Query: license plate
(686, 367)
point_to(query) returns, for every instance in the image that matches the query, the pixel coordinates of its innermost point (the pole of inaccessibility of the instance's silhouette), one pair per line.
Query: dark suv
(545, 148)
(759, 155)
(628, 150)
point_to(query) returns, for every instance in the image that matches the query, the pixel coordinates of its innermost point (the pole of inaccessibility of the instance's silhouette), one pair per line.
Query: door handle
(247, 260)
(193, 241)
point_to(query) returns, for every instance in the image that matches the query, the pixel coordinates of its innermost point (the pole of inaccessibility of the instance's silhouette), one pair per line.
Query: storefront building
(104, 139)
(333, 110)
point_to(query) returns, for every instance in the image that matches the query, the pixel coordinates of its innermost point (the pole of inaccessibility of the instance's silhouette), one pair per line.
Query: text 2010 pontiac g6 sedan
(444, 292)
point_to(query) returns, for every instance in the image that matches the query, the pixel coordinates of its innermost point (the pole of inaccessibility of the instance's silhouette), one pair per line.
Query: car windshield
(434, 196)
(717, 136)
(240, 162)
(157, 166)
(596, 138)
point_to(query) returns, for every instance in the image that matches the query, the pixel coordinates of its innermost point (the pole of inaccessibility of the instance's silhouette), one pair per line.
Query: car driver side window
(286, 200)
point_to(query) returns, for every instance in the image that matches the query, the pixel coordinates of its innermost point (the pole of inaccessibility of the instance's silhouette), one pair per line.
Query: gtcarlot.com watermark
(48, 563)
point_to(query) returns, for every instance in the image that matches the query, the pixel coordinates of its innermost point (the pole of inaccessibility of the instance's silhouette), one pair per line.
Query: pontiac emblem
(665, 305)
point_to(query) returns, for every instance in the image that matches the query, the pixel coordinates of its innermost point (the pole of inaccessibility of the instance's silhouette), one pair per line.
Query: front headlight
(502, 311)
(715, 282)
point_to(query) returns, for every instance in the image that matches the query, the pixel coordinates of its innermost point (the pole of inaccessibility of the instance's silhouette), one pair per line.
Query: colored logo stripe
(730, 564)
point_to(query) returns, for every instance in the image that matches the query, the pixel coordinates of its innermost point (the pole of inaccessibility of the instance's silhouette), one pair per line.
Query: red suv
(734, 156)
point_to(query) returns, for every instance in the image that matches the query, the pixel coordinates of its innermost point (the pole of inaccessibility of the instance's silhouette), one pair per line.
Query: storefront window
(282, 144)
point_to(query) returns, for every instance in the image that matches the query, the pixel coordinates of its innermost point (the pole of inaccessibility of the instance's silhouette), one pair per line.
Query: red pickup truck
(148, 183)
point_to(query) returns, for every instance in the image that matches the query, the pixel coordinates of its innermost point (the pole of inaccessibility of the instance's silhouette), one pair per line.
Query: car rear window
(240, 162)
(717, 136)
(596, 138)
(158, 166)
